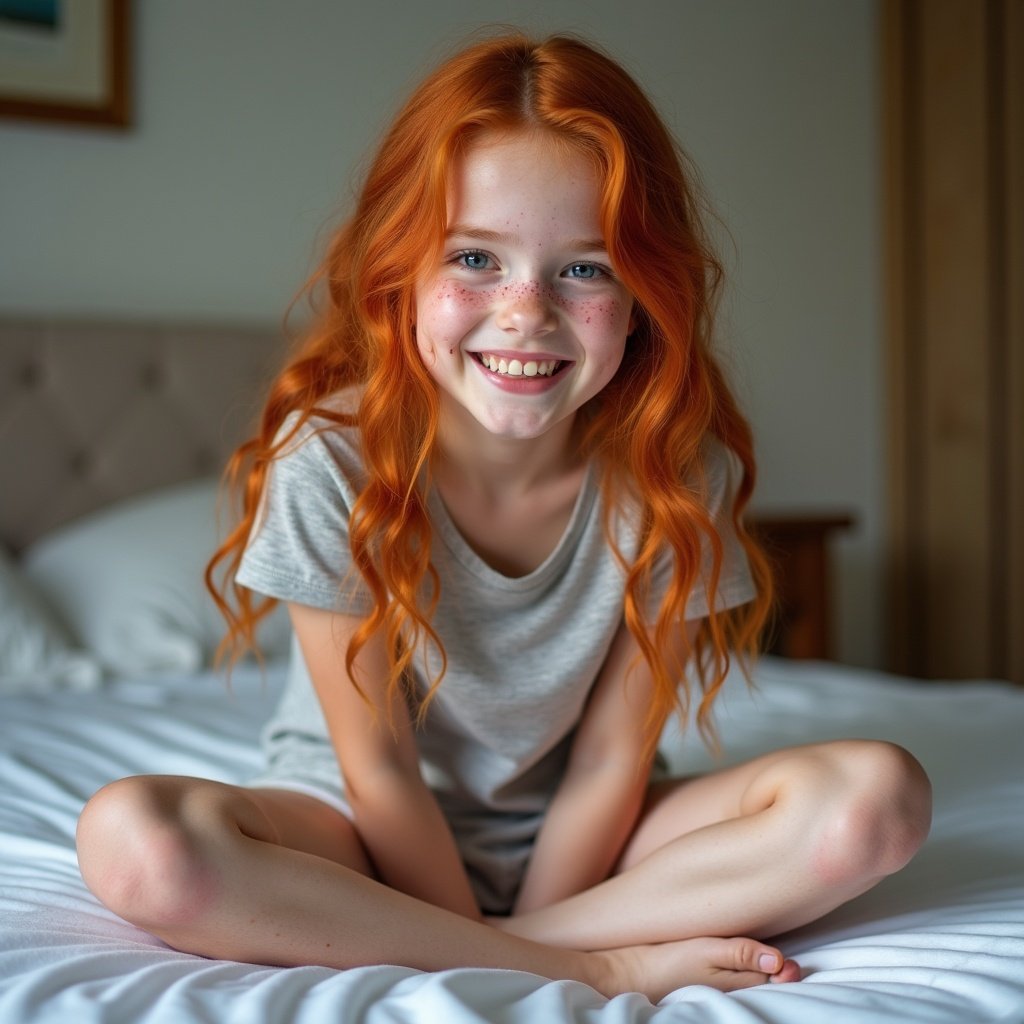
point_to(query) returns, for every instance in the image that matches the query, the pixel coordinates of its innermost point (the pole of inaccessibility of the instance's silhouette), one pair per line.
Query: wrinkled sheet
(942, 941)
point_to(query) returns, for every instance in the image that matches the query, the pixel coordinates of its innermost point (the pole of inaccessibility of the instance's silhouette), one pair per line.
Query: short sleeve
(298, 550)
(735, 582)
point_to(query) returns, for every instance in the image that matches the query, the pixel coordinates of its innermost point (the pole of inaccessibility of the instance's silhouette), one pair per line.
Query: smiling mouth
(520, 367)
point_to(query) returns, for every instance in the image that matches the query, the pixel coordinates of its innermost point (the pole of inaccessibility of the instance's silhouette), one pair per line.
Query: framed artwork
(65, 60)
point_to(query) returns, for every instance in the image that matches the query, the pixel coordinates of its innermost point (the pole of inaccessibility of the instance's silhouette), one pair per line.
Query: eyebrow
(509, 238)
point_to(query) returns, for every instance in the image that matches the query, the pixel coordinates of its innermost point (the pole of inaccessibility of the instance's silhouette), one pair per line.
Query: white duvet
(942, 941)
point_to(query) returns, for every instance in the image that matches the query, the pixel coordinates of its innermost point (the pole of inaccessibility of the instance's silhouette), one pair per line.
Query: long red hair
(648, 428)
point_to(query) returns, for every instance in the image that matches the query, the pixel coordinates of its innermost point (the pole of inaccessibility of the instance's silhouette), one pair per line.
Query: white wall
(253, 115)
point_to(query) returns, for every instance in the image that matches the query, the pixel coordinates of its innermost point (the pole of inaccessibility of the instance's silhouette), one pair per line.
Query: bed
(110, 437)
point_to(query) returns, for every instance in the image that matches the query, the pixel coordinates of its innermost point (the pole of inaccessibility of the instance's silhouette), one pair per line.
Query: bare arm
(598, 802)
(396, 815)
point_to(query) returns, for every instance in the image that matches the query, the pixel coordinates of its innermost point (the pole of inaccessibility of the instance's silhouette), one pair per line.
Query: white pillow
(35, 652)
(128, 581)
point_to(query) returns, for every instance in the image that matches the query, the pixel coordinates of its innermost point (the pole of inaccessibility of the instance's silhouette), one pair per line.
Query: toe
(790, 971)
(744, 963)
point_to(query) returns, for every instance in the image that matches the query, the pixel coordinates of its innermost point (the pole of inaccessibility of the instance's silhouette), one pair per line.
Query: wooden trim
(953, 179)
(955, 192)
(900, 156)
(1012, 32)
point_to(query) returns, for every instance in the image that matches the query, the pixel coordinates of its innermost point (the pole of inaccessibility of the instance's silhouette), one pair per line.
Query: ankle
(609, 973)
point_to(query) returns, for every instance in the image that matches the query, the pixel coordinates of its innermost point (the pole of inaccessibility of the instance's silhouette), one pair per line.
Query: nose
(526, 309)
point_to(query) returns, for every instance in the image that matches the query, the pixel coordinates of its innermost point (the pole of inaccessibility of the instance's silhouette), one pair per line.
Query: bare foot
(725, 964)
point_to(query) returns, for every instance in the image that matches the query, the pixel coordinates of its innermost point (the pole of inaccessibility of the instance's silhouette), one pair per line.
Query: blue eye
(583, 271)
(473, 259)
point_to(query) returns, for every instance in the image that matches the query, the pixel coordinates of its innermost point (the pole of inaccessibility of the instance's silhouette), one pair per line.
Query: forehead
(526, 175)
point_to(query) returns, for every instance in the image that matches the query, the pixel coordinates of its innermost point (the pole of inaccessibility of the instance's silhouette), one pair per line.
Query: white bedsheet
(941, 942)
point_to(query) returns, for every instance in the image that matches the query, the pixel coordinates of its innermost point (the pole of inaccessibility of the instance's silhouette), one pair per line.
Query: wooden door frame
(953, 118)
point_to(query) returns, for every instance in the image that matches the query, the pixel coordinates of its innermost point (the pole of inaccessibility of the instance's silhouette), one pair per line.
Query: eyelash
(460, 257)
(598, 270)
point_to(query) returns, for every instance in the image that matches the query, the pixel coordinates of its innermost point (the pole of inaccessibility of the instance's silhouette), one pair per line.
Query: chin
(517, 430)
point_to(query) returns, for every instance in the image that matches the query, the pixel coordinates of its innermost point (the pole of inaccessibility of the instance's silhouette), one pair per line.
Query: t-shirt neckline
(458, 545)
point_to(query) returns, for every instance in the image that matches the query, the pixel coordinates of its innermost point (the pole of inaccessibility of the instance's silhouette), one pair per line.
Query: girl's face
(524, 320)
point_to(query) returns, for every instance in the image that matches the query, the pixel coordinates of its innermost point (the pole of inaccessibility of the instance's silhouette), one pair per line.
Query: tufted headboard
(92, 411)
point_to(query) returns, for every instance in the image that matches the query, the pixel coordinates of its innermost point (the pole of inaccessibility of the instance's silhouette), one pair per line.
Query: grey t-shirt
(522, 652)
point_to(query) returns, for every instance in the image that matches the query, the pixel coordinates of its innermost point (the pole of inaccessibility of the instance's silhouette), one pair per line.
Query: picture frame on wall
(65, 61)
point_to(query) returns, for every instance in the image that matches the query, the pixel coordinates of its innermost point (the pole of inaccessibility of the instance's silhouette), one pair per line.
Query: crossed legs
(756, 849)
(271, 877)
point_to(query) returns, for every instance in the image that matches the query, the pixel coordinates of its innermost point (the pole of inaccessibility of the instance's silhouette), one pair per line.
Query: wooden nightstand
(798, 546)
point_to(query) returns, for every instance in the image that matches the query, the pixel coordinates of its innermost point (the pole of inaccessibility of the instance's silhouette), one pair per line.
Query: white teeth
(516, 368)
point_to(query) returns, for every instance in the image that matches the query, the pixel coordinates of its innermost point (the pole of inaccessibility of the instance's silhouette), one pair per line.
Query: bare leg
(278, 878)
(756, 849)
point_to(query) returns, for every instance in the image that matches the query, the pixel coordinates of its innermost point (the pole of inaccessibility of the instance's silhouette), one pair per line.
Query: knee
(882, 812)
(141, 856)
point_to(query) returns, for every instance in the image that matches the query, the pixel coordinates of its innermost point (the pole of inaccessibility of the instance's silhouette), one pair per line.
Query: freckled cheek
(601, 318)
(602, 326)
(446, 313)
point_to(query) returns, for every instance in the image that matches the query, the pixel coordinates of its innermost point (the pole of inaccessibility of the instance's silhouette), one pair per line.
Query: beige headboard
(91, 411)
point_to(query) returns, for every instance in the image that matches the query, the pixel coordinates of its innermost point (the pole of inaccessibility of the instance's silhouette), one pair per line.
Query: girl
(500, 488)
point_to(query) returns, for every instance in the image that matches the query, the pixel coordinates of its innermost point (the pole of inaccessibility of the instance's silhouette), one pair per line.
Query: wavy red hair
(648, 427)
